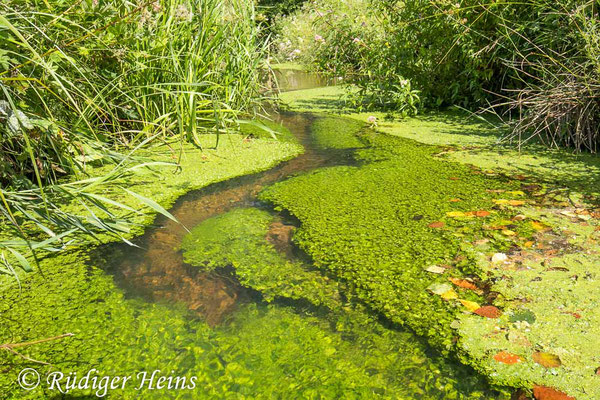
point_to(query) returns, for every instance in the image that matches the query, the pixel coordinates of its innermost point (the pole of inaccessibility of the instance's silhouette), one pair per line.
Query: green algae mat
(535, 265)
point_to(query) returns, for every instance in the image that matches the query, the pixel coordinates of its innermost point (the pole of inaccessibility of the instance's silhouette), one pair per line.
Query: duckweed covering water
(547, 286)
(336, 133)
(340, 353)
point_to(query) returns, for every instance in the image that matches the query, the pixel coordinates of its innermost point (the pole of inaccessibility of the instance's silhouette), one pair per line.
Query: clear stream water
(156, 272)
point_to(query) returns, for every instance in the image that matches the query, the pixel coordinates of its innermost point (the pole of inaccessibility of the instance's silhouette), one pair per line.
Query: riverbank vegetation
(86, 84)
(535, 63)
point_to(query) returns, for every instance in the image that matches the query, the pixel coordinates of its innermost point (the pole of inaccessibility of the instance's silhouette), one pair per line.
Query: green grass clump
(238, 239)
(369, 226)
(334, 133)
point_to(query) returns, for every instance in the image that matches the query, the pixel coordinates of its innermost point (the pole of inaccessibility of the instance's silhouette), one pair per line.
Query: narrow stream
(156, 272)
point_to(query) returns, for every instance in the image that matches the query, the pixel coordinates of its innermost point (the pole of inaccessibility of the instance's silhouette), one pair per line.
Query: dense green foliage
(369, 226)
(90, 82)
(536, 60)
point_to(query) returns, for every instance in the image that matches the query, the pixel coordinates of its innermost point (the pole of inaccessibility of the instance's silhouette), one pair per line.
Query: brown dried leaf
(548, 393)
(463, 283)
(437, 225)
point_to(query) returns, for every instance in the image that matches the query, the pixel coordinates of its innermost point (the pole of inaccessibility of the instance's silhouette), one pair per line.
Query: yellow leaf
(538, 226)
(450, 295)
(469, 305)
(501, 202)
(455, 214)
(516, 203)
(517, 193)
(508, 232)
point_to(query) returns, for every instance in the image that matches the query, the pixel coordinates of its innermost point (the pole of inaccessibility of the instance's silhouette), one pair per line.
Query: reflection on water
(288, 80)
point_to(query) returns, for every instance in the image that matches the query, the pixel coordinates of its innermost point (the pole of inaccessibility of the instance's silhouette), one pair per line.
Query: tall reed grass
(89, 82)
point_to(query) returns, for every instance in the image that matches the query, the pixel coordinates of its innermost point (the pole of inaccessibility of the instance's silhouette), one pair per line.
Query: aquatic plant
(380, 225)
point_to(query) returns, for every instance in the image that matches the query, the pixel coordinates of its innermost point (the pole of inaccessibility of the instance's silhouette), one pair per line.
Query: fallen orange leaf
(548, 393)
(436, 225)
(482, 213)
(507, 358)
(488, 312)
(455, 200)
(463, 283)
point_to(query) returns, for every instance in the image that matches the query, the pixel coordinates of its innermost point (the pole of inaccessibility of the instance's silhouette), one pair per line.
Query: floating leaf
(439, 288)
(470, 305)
(516, 203)
(463, 283)
(547, 360)
(488, 312)
(456, 214)
(538, 226)
(504, 202)
(443, 290)
(507, 358)
(437, 225)
(450, 295)
(435, 269)
(548, 393)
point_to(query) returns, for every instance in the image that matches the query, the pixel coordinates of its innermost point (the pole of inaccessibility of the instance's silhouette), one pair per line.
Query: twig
(10, 347)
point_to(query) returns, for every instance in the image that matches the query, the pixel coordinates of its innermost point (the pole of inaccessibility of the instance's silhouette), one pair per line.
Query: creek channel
(398, 362)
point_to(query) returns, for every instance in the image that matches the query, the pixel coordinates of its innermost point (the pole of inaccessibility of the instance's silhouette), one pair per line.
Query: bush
(537, 60)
